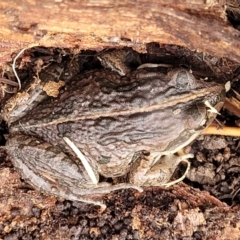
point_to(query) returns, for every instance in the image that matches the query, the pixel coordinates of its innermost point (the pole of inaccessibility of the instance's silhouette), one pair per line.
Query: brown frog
(121, 124)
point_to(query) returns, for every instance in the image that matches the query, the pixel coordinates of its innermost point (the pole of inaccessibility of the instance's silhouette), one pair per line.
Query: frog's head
(207, 98)
(199, 103)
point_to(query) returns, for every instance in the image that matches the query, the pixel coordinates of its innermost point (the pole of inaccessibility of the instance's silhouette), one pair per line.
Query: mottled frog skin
(114, 121)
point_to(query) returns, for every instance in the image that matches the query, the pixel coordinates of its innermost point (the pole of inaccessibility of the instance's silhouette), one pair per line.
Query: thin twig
(224, 131)
(9, 82)
(14, 66)
(83, 159)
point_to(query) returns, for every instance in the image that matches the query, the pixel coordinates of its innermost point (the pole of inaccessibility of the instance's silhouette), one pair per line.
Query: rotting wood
(199, 25)
(180, 211)
(89, 24)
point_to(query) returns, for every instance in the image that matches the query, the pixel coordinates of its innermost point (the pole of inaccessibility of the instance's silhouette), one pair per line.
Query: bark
(200, 25)
(156, 213)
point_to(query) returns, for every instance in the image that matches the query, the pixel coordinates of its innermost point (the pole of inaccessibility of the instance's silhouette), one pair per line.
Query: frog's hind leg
(41, 180)
(51, 171)
(156, 170)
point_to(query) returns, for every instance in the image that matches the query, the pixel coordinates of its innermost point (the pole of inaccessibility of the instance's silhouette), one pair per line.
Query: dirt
(205, 206)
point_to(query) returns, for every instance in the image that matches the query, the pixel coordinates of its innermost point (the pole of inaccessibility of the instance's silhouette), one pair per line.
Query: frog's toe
(144, 173)
(184, 175)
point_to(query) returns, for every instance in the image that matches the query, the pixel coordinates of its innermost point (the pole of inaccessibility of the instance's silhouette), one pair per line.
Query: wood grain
(199, 25)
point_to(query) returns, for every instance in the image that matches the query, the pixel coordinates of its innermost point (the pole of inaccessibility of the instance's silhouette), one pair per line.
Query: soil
(205, 206)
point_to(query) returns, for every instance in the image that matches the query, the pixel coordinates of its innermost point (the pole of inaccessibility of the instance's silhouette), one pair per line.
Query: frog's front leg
(50, 170)
(156, 170)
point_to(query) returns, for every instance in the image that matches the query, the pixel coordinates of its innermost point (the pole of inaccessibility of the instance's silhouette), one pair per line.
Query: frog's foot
(182, 177)
(107, 187)
(157, 170)
(101, 188)
(73, 197)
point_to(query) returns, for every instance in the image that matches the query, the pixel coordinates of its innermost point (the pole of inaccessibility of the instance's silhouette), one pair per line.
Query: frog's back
(93, 96)
(110, 120)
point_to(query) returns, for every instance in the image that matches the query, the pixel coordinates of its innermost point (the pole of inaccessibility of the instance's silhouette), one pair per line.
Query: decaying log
(157, 213)
(199, 25)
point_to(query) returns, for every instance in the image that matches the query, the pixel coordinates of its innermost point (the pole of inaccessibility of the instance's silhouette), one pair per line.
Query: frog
(123, 125)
